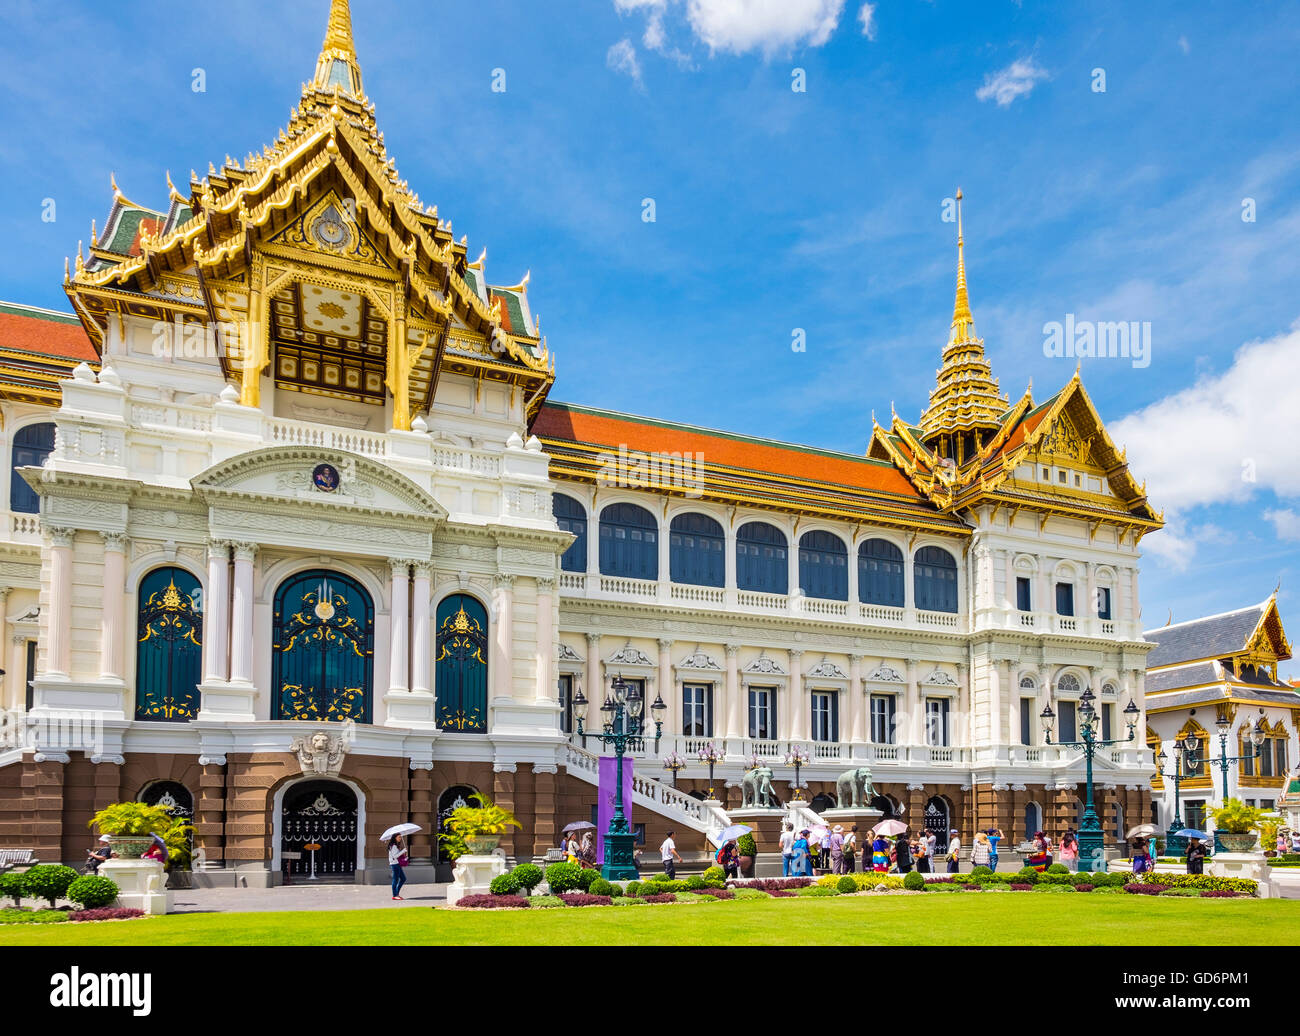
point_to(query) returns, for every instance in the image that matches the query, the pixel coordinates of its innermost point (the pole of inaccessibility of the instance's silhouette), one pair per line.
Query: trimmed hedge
(1138, 889)
(583, 899)
(107, 914)
(504, 885)
(633, 888)
(600, 887)
(32, 916)
(562, 877)
(1205, 881)
(720, 893)
(529, 875)
(751, 894)
(914, 882)
(587, 877)
(92, 891)
(770, 884)
(49, 881)
(14, 886)
(714, 873)
(818, 890)
(545, 902)
(666, 897)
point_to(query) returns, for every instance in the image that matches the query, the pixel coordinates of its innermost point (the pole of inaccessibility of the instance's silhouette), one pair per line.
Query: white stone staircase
(647, 793)
(801, 815)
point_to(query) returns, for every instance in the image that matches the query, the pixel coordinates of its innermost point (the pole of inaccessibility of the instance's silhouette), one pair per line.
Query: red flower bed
(1084, 888)
(770, 884)
(1020, 886)
(581, 899)
(718, 893)
(663, 897)
(492, 902)
(778, 893)
(1219, 894)
(1138, 889)
(105, 914)
(972, 888)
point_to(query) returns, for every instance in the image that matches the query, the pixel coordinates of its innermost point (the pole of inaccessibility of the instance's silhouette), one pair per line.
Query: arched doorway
(322, 813)
(938, 817)
(1033, 819)
(888, 807)
(821, 802)
(176, 798)
(452, 799)
(324, 652)
(169, 648)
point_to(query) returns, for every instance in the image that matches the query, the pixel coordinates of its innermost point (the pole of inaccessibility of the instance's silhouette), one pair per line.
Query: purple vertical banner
(605, 799)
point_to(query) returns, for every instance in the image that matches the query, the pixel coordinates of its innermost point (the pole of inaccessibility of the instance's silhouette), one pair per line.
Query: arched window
(1068, 683)
(823, 566)
(460, 680)
(629, 542)
(32, 444)
(935, 580)
(696, 550)
(880, 574)
(323, 653)
(456, 797)
(1033, 819)
(571, 516)
(761, 563)
(169, 646)
(938, 817)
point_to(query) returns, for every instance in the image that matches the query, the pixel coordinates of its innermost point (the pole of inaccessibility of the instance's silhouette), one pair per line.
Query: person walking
(921, 849)
(826, 851)
(837, 849)
(1295, 841)
(903, 853)
(1070, 850)
(670, 856)
(995, 836)
(880, 854)
(787, 851)
(587, 854)
(851, 850)
(397, 861)
(1196, 853)
(728, 860)
(931, 844)
(954, 851)
(801, 868)
(1142, 862)
(980, 851)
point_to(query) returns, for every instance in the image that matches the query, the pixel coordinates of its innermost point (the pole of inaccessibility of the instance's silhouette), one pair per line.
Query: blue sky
(776, 210)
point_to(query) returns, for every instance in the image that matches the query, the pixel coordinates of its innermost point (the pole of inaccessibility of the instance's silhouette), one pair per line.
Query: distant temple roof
(1215, 636)
(38, 349)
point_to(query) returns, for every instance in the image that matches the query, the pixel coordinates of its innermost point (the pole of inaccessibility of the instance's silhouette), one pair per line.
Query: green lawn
(966, 919)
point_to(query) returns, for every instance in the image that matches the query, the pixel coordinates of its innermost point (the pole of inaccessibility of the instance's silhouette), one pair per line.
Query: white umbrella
(400, 829)
(890, 827)
(1143, 831)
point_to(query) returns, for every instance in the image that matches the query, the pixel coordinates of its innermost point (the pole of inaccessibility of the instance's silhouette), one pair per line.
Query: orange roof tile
(30, 330)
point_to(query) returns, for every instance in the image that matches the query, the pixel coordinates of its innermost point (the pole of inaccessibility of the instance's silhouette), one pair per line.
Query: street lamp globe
(1047, 718)
(658, 708)
(1223, 723)
(620, 690)
(1258, 734)
(1131, 715)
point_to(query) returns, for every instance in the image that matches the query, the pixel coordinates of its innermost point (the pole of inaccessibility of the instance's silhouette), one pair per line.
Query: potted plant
(131, 826)
(746, 849)
(1235, 823)
(476, 830)
(180, 853)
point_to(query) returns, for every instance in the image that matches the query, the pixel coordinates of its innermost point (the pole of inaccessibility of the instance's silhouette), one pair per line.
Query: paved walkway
(305, 897)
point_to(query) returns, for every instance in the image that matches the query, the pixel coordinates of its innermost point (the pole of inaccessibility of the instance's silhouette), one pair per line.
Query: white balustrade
(638, 589)
(943, 620)
(684, 594)
(283, 432)
(573, 581)
(819, 606)
(1027, 620)
(881, 613)
(761, 602)
(942, 754)
(1066, 624)
(1107, 628)
(828, 750)
(763, 749)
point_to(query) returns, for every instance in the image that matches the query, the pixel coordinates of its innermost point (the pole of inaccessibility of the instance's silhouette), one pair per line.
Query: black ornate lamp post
(659, 708)
(1092, 840)
(709, 754)
(1185, 757)
(579, 706)
(1257, 736)
(623, 732)
(798, 758)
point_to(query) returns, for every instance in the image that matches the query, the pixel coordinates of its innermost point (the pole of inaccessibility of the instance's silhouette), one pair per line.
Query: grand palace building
(292, 468)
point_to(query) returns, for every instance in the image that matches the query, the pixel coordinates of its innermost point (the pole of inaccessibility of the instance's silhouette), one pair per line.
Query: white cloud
(621, 57)
(1183, 45)
(1226, 436)
(1016, 80)
(867, 16)
(1285, 522)
(741, 26)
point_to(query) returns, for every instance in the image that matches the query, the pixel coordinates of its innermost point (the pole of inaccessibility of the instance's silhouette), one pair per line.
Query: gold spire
(338, 66)
(966, 397)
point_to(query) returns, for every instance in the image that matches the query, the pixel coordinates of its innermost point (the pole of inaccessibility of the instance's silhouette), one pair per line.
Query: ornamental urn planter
(746, 866)
(1237, 842)
(130, 847)
(482, 845)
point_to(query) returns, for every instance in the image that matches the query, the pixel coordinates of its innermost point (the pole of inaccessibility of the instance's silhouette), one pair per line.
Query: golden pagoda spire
(338, 66)
(963, 323)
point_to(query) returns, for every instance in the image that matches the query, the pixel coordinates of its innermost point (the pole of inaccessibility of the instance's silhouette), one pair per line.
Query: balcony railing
(687, 594)
(762, 602)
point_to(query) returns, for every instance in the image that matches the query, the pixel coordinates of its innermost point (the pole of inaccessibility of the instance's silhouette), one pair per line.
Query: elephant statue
(853, 788)
(756, 787)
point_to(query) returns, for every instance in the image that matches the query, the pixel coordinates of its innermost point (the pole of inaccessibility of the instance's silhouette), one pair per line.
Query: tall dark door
(324, 814)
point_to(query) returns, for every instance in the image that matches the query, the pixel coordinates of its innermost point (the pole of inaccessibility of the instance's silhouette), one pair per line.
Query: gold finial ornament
(338, 68)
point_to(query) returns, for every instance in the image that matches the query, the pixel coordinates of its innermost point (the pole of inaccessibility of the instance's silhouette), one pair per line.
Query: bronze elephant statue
(756, 787)
(853, 788)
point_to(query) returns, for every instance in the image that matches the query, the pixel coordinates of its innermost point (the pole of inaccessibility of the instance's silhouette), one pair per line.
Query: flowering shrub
(105, 914)
(1138, 889)
(770, 884)
(491, 902)
(718, 893)
(1021, 886)
(581, 899)
(663, 897)
(1219, 894)
(1084, 888)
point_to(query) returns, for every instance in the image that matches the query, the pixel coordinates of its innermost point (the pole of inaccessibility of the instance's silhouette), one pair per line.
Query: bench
(14, 858)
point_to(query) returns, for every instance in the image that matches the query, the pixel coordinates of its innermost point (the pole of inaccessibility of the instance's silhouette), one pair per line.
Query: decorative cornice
(545, 768)
(212, 760)
(117, 542)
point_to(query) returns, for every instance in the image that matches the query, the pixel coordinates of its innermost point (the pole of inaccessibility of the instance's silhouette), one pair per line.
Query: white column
(799, 728)
(854, 603)
(1090, 609)
(792, 564)
(909, 588)
(668, 690)
(241, 619)
(915, 707)
(857, 704)
(962, 735)
(1045, 603)
(1013, 711)
(216, 614)
(1008, 580)
(59, 628)
(665, 560)
(594, 691)
(1135, 602)
(593, 549)
(18, 670)
(546, 689)
(9, 680)
(503, 682)
(735, 708)
(420, 654)
(112, 624)
(399, 627)
(997, 683)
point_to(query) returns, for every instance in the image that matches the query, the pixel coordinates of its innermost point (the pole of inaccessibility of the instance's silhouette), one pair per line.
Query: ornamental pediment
(939, 678)
(317, 478)
(885, 674)
(700, 660)
(764, 666)
(826, 670)
(629, 656)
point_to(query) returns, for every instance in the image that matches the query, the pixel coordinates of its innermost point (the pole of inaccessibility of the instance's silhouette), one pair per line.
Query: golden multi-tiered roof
(314, 262)
(966, 398)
